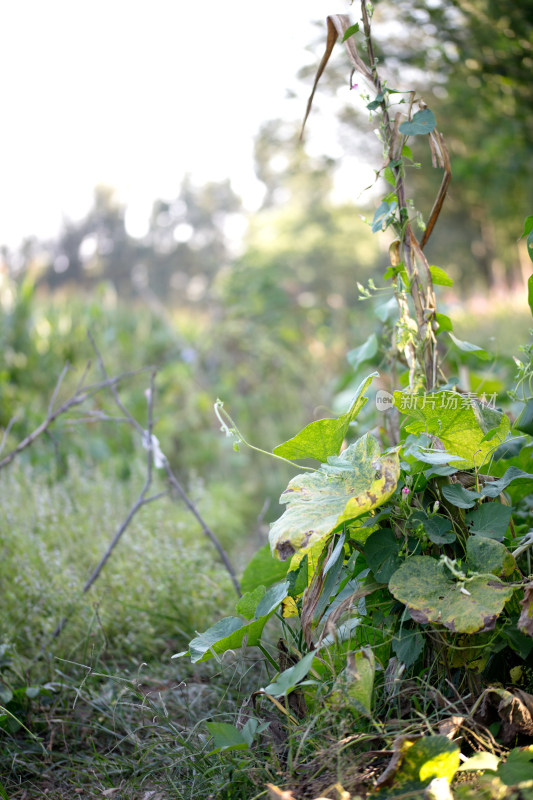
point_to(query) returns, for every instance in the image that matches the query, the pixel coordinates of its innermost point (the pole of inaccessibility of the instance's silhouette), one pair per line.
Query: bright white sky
(134, 94)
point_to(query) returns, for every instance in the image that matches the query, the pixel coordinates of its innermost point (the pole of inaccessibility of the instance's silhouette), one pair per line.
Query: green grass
(161, 583)
(114, 709)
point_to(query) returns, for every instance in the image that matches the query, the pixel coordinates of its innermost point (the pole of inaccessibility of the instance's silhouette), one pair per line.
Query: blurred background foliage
(261, 308)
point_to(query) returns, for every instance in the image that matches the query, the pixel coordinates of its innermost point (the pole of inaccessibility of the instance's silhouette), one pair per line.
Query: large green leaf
(382, 553)
(512, 475)
(248, 602)
(433, 594)
(226, 634)
(318, 503)
(465, 426)
(517, 768)
(490, 519)
(262, 570)
(324, 438)
(487, 555)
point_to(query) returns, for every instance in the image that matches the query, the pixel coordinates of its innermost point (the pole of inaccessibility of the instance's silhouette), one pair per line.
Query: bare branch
(205, 527)
(57, 387)
(6, 432)
(78, 398)
(147, 439)
(114, 392)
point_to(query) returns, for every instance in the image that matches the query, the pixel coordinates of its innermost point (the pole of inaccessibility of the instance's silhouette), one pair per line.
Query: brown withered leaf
(525, 623)
(513, 708)
(338, 24)
(449, 727)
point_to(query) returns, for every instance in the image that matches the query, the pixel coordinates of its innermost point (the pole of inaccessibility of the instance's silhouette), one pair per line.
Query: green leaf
(388, 174)
(356, 681)
(486, 555)
(490, 520)
(444, 322)
(407, 646)
(440, 277)
(365, 352)
(382, 550)
(324, 438)
(529, 242)
(518, 767)
(460, 423)
(271, 600)
(3, 793)
(298, 578)
(528, 226)
(437, 528)
(248, 602)
(439, 471)
(226, 634)
(337, 555)
(524, 422)
(435, 457)
(423, 122)
(468, 347)
(376, 102)
(530, 291)
(387, 311)
(318, 503)
(384, 215)
(350, 31)
(262, 570)
(513, 474)
(6, 695)
(226, 737)
(291, 677)
(460, 497)
(432, 594)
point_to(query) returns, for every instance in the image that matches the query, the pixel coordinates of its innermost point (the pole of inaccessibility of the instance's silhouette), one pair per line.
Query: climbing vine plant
(407, 553)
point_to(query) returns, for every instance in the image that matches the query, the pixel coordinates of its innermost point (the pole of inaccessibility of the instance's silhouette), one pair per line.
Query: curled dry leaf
(450, 726)
(525, 623)
(513, 709)
(338, 24)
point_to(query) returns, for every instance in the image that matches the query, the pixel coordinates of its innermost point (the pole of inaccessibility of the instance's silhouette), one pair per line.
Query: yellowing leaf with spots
(318, 503)
(466, 427)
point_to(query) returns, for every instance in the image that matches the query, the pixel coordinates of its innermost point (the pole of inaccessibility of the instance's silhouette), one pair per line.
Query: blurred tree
(477, 56)
(176, 261)
(472, 61)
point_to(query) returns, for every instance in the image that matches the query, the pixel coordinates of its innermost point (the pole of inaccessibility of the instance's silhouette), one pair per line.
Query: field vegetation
(196, 599)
